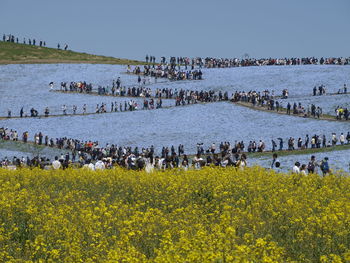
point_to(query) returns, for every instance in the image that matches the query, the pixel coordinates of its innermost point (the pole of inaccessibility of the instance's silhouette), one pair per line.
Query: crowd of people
(267, 100)
(321, 90)
(181, 97)
(138, 92)
(192, 97)
(30, 41)
(153, 99)
(211, 62)
(261, 99)
(79, 86)
(224, 63)
(313, 142)
(208, 62)
(92, 155)
(166, 71)
(115, 90)
(313, 166)
(342, 113)
(129, 105)
(150, 59)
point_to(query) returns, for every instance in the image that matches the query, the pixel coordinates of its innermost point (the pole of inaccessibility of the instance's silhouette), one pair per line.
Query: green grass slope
(12, 53)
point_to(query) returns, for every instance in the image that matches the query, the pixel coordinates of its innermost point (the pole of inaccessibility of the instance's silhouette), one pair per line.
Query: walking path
(100, 113)
(311, 96)
(95, 93)
(149, 96)
(283, 111)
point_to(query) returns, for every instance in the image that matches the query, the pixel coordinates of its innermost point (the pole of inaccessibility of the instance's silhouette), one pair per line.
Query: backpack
(324, 166)
(311, 166)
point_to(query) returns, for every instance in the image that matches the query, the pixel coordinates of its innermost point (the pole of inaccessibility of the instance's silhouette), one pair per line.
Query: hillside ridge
(13, 53)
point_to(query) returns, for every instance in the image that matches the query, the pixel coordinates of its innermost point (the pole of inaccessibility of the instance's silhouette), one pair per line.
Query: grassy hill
(12, 53)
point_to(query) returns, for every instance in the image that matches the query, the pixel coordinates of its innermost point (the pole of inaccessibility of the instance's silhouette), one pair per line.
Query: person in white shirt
(99, 165)
(242, 162)
(196, 161)
(224, 162)
(213, 148)
(89, 165)
(334, 139)
(296, 169)
(161, 163)
(56, 164)
(149, 165)
(342, 138)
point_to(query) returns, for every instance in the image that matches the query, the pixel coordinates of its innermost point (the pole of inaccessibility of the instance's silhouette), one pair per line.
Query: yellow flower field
(211, 215)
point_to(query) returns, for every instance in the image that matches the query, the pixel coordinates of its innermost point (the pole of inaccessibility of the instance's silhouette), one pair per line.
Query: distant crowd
(210, 62)
(267, 99)
(207, 62)
(224, 63)
(129, 105)
(29, 41)
(321, 90)
(151, 100)
(144, 92)
(168, 72)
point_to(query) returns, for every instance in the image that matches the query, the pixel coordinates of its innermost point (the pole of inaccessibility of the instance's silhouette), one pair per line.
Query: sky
(193, 28)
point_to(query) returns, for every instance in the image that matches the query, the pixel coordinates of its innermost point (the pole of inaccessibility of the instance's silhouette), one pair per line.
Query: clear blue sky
(217, 28)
